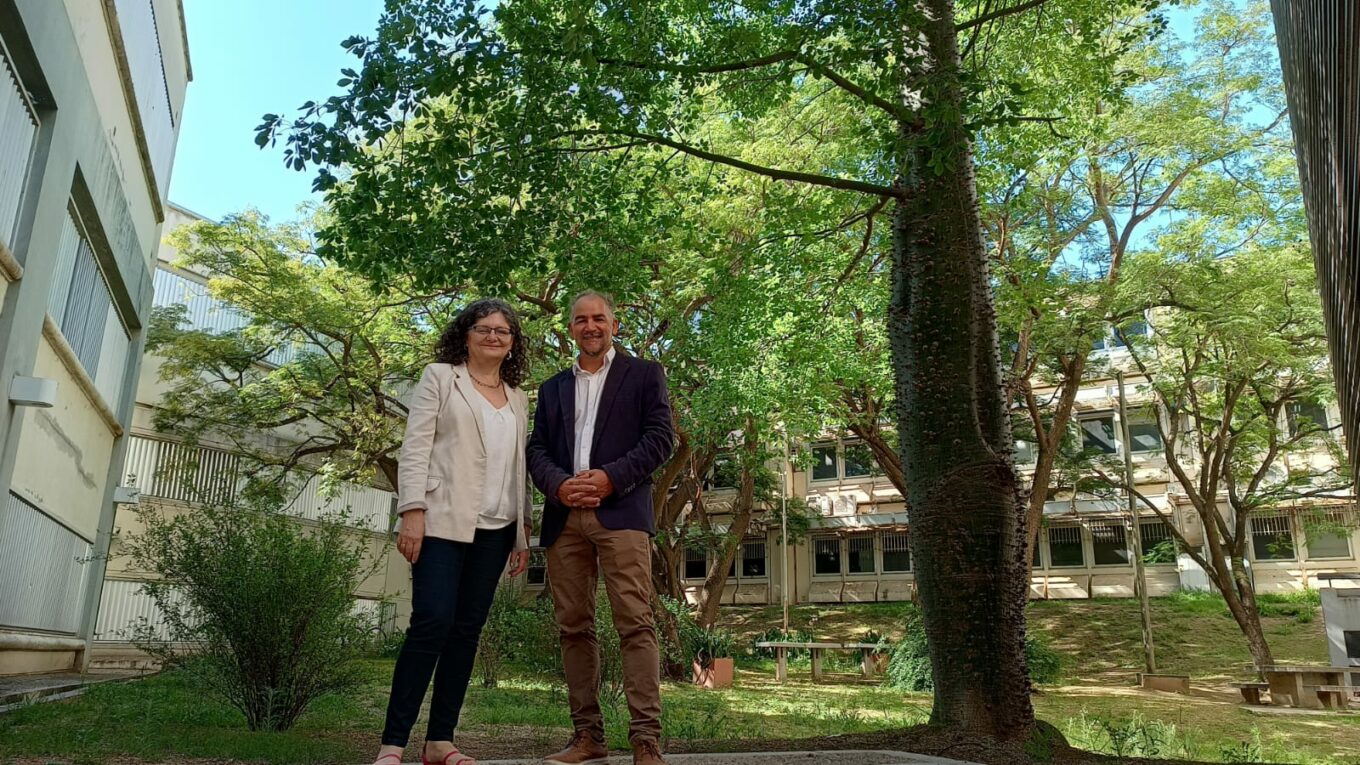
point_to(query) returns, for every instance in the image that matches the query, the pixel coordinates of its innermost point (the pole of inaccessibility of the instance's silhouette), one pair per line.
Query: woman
(464, 504)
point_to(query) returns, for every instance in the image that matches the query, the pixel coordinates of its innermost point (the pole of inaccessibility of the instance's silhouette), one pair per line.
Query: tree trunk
(1241, 598)
(964, 500)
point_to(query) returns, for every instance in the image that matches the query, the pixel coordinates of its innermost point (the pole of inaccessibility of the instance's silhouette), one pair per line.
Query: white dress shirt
(589, 385)
(498, 508)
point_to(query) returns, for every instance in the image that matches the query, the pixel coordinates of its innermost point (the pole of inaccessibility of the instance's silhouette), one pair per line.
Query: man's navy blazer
(633, 437)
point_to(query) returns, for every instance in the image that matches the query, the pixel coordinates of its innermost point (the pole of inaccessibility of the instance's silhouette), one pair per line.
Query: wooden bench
(1334, 696)
(782, 648)
(1251, 692)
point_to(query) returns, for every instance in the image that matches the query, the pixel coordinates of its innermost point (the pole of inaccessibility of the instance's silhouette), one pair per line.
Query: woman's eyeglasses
(501, 332)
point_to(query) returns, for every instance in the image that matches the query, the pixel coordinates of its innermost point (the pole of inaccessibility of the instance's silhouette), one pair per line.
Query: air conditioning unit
(845, 506)
(821, 503)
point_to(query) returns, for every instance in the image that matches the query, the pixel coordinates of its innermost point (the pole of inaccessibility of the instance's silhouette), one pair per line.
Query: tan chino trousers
(584, 548)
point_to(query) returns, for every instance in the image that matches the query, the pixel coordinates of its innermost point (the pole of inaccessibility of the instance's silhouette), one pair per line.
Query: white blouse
(498, 508)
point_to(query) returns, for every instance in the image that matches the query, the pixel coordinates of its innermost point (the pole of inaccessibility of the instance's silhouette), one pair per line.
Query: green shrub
(689, 631)
(714, 643)
(909, 660)
(262, 601)
(777, 634)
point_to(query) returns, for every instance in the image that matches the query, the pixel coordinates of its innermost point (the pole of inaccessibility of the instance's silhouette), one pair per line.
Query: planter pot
(716, 675)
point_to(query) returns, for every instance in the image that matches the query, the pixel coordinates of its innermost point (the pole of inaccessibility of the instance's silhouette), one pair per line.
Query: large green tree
(512, 98)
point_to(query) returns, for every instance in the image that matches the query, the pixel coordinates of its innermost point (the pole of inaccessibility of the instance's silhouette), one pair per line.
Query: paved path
(776, 758)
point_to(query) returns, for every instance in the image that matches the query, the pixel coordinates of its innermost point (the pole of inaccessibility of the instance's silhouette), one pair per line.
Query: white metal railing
(141, 40)
(175, 471)
(18, 135)
(206, 313)
(41, 569)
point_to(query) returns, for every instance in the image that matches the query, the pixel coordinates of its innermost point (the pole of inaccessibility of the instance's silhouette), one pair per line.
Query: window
(1109, 546)
(1271, 538)
(826, 555)
(1158, 544)
(824, 465)
(1144, 435)
(1306, 416)
(1328, 535)
(1064, 546)
(1119, 336)
(538, 568)
(18, 136)
(725, 473)
(1097, 434)
(82, 306)
(1037, 556)
(861, 560)
(1352, 638)
(896, 551)
(696, 563)
(1026, 452)
(859, 460)
(753, 559)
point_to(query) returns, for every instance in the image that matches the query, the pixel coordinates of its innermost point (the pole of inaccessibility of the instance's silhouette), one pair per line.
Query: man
(600, 430)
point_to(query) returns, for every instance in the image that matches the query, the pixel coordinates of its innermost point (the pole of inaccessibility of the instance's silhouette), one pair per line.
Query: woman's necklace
(491, 386)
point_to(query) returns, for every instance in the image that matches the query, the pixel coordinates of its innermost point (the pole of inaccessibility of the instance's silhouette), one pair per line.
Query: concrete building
(173, 477)
(858, 548)
(91, 93)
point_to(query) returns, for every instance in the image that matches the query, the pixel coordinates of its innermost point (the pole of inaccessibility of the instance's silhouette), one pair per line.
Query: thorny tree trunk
(964, 500)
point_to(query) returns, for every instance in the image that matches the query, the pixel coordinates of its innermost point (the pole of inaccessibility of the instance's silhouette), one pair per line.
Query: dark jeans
(452, 585)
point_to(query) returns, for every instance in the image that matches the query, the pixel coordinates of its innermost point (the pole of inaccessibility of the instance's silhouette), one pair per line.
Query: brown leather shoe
(583, 750)
(647, 752)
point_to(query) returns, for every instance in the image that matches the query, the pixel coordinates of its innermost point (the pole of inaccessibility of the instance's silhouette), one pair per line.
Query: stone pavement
(776, 758)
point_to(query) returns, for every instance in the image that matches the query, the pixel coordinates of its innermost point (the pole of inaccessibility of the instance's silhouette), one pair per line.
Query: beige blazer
(443, 456)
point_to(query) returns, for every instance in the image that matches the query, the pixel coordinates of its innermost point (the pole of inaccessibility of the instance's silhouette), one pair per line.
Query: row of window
(1061, 546)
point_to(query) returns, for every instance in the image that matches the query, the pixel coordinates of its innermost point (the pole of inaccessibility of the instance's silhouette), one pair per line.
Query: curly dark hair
(452, 346)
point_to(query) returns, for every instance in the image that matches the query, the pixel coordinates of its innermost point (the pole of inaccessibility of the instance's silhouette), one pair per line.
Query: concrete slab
(17, 690)
(862, 757)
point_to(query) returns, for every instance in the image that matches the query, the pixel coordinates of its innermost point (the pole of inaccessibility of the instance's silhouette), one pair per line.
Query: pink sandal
(461, 759)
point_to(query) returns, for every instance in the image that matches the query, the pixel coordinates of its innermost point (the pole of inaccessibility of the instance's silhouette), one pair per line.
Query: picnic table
(782, 648)
(1311, 687)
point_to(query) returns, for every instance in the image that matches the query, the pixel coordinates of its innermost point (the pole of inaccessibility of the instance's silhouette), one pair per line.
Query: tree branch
(997, 14)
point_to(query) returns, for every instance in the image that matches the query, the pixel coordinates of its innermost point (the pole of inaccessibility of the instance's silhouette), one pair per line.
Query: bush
(260, 603)
(909, 660)
(521, 631)
(687, 628)
(777, 634)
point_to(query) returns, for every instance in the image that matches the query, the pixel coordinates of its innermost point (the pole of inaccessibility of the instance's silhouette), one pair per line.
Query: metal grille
(146, 64)
(1109, 544)
(42, 568)
(826, 553)
(18, 134)
(1272, 538)
(753, 558)
(1320, 54)
(1064, 546)
(696, 563)
(896, 551)
(862, 554)
(368, 508)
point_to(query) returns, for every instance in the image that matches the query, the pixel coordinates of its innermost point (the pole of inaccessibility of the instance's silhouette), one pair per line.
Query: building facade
(173, 477)
(858, 549)
(91, 93)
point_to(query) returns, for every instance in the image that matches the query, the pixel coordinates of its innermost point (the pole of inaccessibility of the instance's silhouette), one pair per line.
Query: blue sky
(251, 57)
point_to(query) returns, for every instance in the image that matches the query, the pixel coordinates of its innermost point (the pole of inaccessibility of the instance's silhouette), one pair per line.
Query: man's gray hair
(583, 294)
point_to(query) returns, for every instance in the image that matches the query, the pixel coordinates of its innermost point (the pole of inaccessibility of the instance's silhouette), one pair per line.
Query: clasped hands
(586, 489)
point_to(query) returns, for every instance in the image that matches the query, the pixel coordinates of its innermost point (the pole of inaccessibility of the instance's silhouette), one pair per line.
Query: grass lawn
(163, 719)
